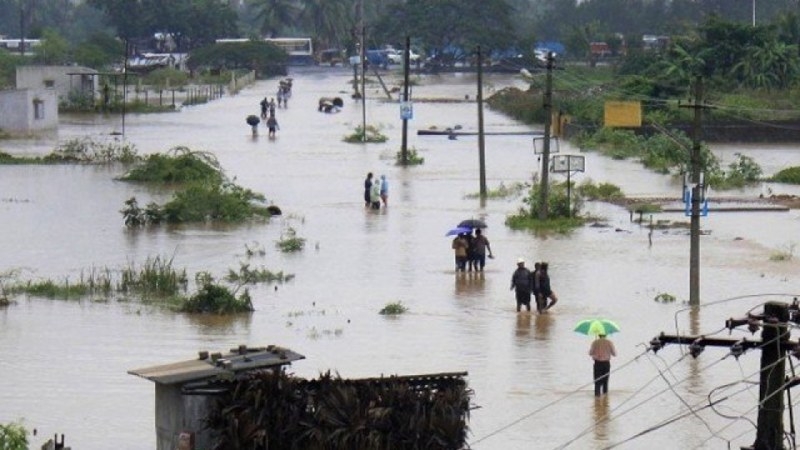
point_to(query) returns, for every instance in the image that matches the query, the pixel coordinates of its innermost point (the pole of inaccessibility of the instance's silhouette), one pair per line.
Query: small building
(184, 390)
(26, 112)
(65, 80)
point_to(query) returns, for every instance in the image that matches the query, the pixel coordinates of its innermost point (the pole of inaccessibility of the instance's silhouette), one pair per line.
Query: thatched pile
(274, 411)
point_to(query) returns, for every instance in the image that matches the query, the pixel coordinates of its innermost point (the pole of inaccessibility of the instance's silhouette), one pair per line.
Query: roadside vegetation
(412, 157)
(563, 211)
(790, 175)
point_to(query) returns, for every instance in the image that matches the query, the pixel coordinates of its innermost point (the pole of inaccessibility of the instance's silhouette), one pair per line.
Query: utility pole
(544, 190)
(406, 74)
(697, 193)
(481, 140)
(774, 345)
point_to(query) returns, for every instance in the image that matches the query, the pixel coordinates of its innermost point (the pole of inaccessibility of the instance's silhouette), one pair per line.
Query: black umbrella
(472, 223)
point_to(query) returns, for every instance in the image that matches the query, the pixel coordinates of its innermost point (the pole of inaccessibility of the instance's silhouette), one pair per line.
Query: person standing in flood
(367, 189)
(544, 285)
(272, 126)
(384, 191)
(601, 352)
(478, 249)
(375, 195)
(521, 285)
(459, 246)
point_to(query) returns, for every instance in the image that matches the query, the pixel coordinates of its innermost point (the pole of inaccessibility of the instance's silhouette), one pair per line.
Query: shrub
(393, 309)
(180, 165)
(290, 242)
(789, 175)
(217, 299)
(372, 135)
(412, 157)
(602, 191)
(13, 436)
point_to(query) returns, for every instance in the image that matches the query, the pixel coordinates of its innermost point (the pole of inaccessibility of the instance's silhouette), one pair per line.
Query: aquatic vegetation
(372, 135)
(156, 277)
(179, 165)
(394, 308)
(412, 157)
(246, 275)
(290, 242)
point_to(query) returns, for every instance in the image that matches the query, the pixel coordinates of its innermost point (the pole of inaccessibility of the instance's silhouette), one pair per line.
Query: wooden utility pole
(481, 140)
(406, 74)
(544, 190)
(697, 194)
(774, 344)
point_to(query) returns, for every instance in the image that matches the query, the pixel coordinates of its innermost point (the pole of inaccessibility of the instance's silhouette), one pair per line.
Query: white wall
(18, 111)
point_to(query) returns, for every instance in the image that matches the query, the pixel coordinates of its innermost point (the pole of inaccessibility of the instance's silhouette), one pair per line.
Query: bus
(300, 50)
(13, 45)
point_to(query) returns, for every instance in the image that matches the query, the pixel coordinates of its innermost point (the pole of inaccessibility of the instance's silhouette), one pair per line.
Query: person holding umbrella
(601, 350)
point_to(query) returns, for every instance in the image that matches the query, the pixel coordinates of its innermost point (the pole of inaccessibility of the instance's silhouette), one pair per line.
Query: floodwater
(64, 363)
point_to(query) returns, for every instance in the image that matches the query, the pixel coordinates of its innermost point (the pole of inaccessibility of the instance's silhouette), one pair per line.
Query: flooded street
(64, 363)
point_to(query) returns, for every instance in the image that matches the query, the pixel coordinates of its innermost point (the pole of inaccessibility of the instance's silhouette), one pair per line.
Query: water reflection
(469, 284)
(523, 329)
(206, 324)
(543, 325)
(601, 418)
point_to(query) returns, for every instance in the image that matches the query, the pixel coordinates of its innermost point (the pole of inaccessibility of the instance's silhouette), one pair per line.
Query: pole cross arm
(736, 345)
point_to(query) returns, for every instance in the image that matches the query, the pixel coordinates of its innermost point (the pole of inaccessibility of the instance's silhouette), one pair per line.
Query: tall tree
(276, 16)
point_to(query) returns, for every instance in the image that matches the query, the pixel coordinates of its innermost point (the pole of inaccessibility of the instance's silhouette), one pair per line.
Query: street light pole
(754, 12)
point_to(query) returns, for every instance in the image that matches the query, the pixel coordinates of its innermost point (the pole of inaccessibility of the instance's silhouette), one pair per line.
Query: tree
(329, 21)
(53, 49)
(265, 58)
(276, 16)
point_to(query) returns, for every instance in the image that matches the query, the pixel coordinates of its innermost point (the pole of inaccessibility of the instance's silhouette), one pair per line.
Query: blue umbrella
(459, 230)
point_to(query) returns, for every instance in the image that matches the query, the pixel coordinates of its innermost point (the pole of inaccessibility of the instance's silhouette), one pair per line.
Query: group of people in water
(268, 107)
(536, 284)
(376, 191)
(471, 251)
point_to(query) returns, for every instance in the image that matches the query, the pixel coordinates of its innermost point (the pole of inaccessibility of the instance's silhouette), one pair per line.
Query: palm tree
(276, 16)
(329, 21)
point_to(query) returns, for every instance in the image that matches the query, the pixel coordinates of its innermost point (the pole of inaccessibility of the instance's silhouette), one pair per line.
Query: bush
(180, 165)
(393, 309)
(373, 135)
(602, 191)
(789, 175)
(13, 436)
(213, 298)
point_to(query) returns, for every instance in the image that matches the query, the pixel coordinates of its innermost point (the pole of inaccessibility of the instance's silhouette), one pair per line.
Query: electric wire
(547, 405)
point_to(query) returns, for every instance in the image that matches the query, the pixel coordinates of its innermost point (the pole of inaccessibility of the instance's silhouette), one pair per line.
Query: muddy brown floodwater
(64, 363)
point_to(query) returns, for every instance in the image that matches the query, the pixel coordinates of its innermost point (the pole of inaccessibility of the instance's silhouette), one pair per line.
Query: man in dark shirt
(521, 284)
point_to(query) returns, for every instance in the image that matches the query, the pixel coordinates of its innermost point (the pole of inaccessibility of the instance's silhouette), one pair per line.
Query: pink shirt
(602, 350)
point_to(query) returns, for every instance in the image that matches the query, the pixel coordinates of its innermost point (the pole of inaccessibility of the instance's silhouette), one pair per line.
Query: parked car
(396, 56)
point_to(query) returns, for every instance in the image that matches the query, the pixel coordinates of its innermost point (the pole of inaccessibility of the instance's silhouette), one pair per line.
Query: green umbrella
(596, 327)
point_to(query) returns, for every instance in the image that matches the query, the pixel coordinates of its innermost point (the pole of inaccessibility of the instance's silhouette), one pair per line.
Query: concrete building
(185, 390)
(65, 80)
(25, 112)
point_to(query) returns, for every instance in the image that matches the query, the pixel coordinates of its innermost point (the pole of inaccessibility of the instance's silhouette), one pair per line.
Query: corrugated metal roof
(218, 365)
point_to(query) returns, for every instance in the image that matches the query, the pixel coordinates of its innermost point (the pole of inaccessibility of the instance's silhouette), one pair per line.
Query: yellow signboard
(623, 114)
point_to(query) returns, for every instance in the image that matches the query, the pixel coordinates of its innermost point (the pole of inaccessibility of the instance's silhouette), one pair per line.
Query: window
(38, 109)
(49, 83)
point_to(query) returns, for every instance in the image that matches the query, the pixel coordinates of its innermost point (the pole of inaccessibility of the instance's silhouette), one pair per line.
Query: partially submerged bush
(179, 165)
(789, 175)
(80, 150)
(290, 242)
(412, 157)
(563, 211)
(217, 299)
(13, 436)
(503, 191)
(393, 309)
(604, 191)
(372, 135)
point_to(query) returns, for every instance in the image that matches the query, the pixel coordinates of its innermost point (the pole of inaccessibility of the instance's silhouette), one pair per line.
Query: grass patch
(560, 225)
(607, 192)
(157, 277)
(246, 275)
(179, 165)
(371, 135)
(394, 308)
(80, 151)
(502, 191)
(412, 158)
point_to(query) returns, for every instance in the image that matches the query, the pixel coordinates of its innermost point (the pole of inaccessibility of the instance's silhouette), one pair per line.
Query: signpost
(568, 164)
